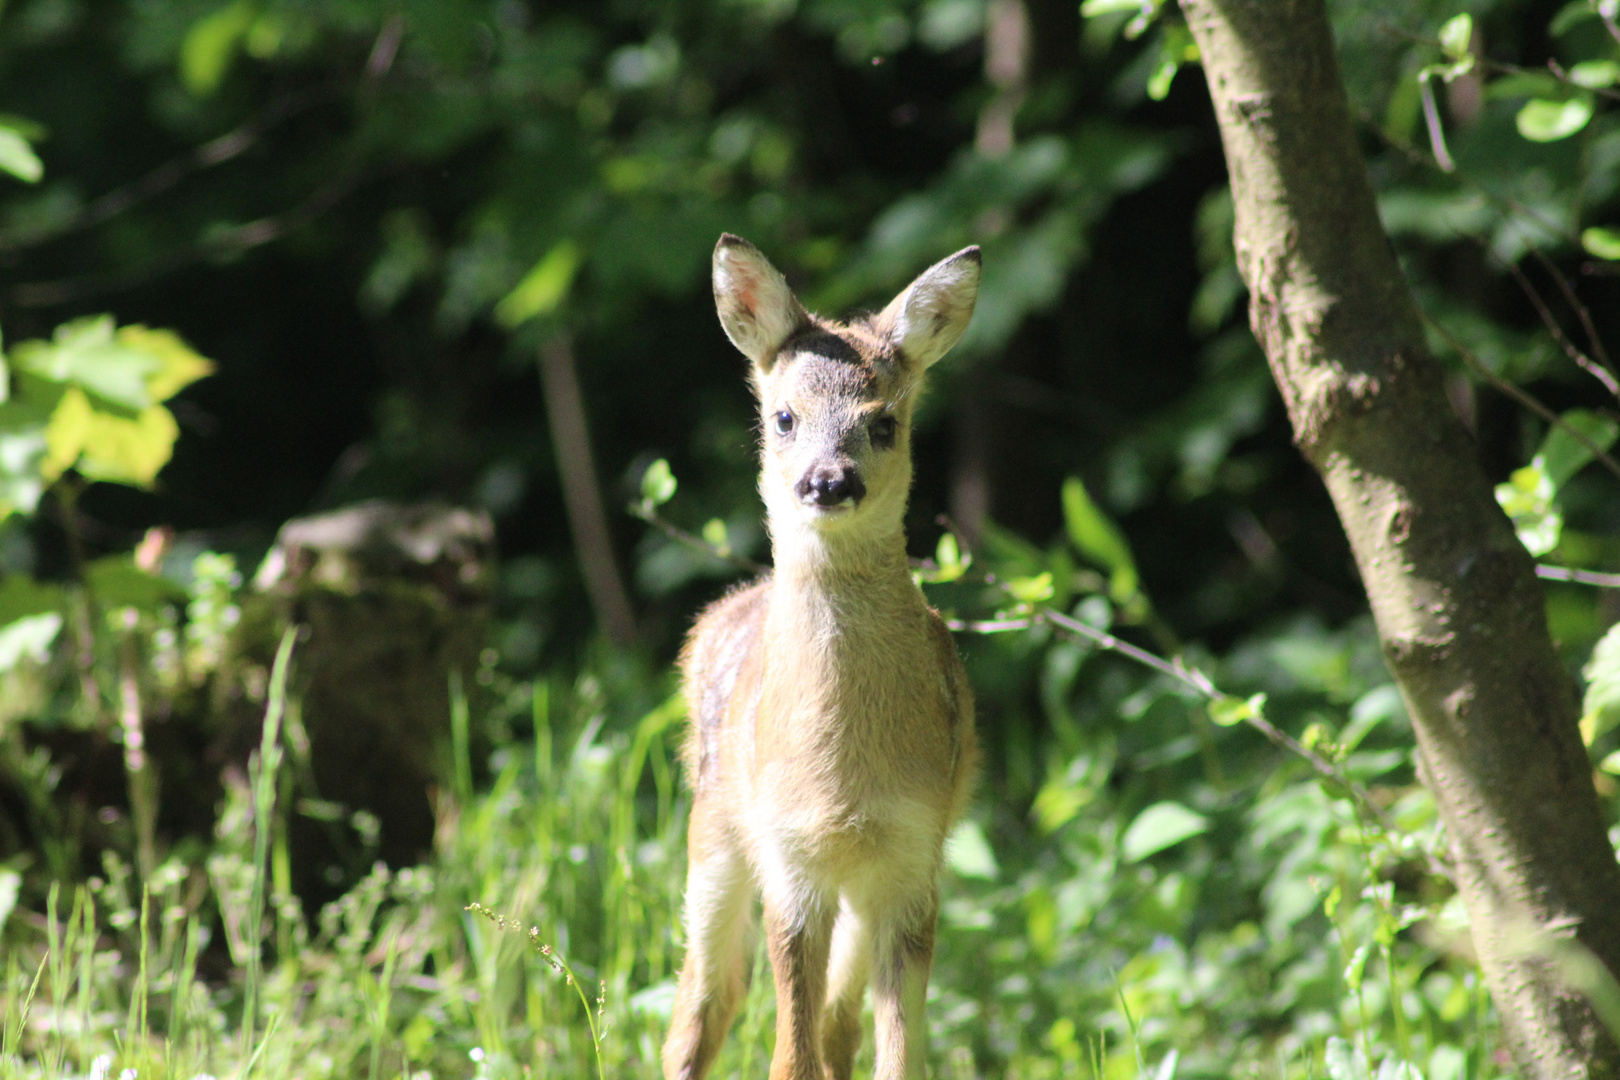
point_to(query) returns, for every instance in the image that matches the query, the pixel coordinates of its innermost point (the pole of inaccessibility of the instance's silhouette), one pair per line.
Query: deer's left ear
(930, 316)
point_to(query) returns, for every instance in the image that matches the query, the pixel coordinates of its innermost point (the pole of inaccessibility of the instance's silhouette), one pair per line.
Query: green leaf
(1158, 84)
(10, 884)
(717, 537)
(1098, 539)
(1611, 764)
(1092, 8)
(106, 446)
(22, 457)
(1571, 15)
(951, 561)
(1527, 498)
(1229, 711)
(1528, 495)
(28, 638)
(210, 46)
(89, 353)
(542, 289)
(1146, 11)
(1595, 74)
(1162, 825)
(1446, 72)
(117, 582)
(128, 370)
(21, 595)
(1176, 47)
(657, 484)
(1601, 708)
(1342, 1062)
(1057, 803)
(1601, 241)
(1031, 590)
(177, 366)
(1548, 121)
(1562, 455)
(968, 852)
(18, 158)
(1456, 35)
(1524, 84)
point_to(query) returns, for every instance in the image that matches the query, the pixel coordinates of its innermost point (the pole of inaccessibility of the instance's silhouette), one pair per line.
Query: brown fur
(831, 744)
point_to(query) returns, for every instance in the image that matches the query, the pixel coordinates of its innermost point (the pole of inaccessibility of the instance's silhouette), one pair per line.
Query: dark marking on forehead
(858, 341)
(827, 346)
(834, 360)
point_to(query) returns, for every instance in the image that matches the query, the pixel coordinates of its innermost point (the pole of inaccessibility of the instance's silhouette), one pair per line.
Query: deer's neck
(838, 600)
(830, 564)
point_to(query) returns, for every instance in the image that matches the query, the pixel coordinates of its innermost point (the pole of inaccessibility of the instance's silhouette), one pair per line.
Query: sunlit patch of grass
(1058, 958)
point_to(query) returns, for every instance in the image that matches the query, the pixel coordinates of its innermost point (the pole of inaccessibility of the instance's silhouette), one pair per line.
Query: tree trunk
(1459, 612)
(582, 495)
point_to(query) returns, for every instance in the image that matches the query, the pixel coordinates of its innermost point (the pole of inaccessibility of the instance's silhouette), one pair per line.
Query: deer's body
(831, 743)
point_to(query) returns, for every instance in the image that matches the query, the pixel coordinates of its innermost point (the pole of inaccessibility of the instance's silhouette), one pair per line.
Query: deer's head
(836, 399)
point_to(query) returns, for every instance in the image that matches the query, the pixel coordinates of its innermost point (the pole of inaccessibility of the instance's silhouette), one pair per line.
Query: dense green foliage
(371, 216)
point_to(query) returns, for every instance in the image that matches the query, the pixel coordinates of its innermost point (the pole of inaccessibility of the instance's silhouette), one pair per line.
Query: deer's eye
(783, 421)
(883, 431)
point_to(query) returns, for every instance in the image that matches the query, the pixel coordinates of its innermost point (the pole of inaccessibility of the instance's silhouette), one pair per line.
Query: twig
(1580, 577)
(560, 966)
(1508, 202)
(1558, 73)
(241, 238)
(386, 48)
(217, 151)
(1478, 367)
(651, 516)
(1197, 680)
(1580, 309)
(1553, 67)
(1582, 361)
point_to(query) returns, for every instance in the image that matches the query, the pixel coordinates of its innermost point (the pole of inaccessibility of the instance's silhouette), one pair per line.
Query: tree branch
(1477, 366)
(236, 239)
(226, 147)
(582, 495)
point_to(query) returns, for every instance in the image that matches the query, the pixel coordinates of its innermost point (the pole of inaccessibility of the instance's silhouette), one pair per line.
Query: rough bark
(1459, 612)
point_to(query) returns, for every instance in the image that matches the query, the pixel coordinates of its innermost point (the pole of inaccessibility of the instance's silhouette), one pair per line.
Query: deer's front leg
(718, 920)
(904, 952)
(798, 933)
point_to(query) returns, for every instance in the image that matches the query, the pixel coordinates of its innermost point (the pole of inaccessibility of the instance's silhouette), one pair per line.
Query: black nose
(830, 487)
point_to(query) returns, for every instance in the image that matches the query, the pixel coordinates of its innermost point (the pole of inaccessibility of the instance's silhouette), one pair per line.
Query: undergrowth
(1264, 926)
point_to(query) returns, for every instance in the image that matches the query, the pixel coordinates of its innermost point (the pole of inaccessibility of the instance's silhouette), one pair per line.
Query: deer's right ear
(757, 309)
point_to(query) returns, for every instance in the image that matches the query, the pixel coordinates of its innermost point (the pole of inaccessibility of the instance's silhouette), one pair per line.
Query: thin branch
(1478, 367)
(231, 241)
(1580, 577)
(1507, 202)
(1560, 74)
(217, 151)
(1606, 374)
(1555, 69)
(386, 48)
(1582, 361)
(1195, 679)
(652, 517)
(1580, 309)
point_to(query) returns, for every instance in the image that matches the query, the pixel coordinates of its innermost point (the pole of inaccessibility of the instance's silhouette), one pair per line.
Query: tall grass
(1058, 956)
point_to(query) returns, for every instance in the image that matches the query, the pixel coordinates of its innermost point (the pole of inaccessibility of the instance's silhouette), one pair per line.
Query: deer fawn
(831, 744)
